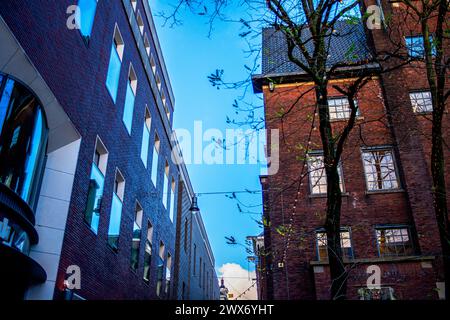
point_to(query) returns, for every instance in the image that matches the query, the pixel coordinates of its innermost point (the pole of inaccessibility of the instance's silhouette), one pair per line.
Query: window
(136, 240)
(160, 268)
(129, 99)
(153, 64)
(384, 293)
(380, 170)
(23, 140)
(96, 184)
(116, 210)
(166, 108)
(155, 160)
(394, 241)
(166, 191)
(146, 136)
(115, 64)
(172, 200)
(85, 19)
(134, 4)
(322, 244)
(158, 81)
(415, 46)
(140, 22)
(339, 108)
(148, 253)
(168, 275)
(421, 101)
(146, 44)
(317, 175)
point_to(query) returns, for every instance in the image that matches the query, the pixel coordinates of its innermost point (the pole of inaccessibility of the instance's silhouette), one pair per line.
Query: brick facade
(75, 71)
(386, 119)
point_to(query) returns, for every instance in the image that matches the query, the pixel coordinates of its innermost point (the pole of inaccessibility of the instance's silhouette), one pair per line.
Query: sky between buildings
(190, 57)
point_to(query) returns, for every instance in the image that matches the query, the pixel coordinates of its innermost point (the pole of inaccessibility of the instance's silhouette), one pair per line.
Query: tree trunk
(333, 211)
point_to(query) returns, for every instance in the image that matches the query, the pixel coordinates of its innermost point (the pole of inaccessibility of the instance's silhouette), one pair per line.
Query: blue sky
(190, 57)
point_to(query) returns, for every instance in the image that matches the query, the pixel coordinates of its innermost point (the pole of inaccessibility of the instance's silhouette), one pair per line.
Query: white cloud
(238, 280)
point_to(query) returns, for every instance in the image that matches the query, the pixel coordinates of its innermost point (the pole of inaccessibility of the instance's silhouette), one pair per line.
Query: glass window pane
(145, 145)
(172, 205)
(85, 20)
(165, 191)
(114, 222)
(95, 194)
(129, 107)
(155, 166)
(112, 78)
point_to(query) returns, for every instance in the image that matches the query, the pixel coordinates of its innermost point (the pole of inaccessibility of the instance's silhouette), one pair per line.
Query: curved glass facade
(23, 139)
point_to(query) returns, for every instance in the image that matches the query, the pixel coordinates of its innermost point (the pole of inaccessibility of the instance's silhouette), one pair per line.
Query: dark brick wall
(76, 73)
(199, 288)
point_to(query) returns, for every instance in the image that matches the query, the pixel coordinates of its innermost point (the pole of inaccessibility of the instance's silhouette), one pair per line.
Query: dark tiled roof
(347, 44)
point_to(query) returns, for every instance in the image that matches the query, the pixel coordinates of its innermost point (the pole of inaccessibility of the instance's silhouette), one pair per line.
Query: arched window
(23, 139)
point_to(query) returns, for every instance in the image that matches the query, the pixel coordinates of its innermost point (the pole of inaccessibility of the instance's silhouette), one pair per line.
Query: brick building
(387, 214)
(87, 181)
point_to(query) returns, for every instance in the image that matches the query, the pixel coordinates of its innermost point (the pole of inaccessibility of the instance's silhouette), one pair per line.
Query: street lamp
(194, 206)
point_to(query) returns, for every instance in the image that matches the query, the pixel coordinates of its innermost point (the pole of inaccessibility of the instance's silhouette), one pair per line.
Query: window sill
(324, 195)
(384, 191)
(89, 227)
(377, 260)
(358, 118)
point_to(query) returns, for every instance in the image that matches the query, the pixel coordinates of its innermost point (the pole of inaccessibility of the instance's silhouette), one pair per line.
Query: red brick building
(387, 212)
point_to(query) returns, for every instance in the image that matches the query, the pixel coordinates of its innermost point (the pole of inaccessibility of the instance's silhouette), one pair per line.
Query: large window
(394, 241)
(379, 168)
(129, 99)
(168, 273)
(148, 253)
(23, 139)
(339, 108)
(172, 200)
(317, 174)
(96, 184)
(322, 244)
(421, 101)
(115, 64)
(85, 18)
(116, 211)
(146, 137)
(136, 240)
(166, 191)
(160, 268)
(155, 161)
(415, 46)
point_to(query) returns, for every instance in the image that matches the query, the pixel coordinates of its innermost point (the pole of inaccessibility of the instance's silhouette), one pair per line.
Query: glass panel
(380, 170)
(155, 166)
(421, 101)
(85, 20)
(172, 205)
(22, 140)
(147, 260)
(92, 212)
(129, 107)
(165, 191)
(145, 145)
(112, 78)
(135, 245)
(159, 274)
(114, 222)
(317, 175)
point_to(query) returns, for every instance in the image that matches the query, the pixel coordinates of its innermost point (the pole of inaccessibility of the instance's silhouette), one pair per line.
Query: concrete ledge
(378, 260)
